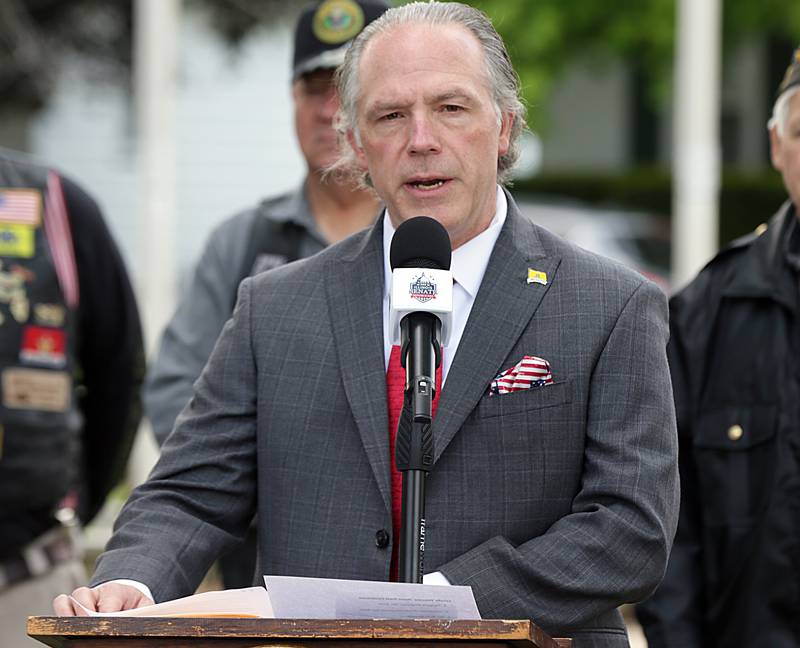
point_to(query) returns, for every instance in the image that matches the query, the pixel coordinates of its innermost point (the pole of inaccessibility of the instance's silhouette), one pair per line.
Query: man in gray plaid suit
(556, 503)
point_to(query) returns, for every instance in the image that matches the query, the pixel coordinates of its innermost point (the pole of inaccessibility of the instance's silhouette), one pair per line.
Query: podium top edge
(516, 632)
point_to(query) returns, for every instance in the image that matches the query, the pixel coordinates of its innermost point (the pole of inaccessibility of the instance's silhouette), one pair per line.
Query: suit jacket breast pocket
(534, 398)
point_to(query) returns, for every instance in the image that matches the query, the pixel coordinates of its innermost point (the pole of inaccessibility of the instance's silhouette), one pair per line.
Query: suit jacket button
(381, 538)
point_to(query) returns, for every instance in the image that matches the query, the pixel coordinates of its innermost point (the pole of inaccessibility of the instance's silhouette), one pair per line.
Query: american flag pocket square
(529, 372)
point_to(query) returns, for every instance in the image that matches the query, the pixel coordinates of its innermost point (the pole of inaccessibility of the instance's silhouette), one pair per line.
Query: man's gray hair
(780, 111)
(503, 80)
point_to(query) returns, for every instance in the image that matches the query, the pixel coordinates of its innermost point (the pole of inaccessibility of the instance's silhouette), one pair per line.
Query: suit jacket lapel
(503, 307)
(355, 300)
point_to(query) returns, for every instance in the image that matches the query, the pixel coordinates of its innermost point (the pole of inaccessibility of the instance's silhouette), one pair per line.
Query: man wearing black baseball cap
(280, 229)
(325, 30)
(734, 355)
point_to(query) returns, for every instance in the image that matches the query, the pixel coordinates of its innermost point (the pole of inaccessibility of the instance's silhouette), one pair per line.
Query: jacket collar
(354, 282)
(762, 272)
(503, 307)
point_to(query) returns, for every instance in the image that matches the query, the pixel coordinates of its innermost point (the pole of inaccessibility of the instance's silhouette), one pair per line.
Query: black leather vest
(40, 423)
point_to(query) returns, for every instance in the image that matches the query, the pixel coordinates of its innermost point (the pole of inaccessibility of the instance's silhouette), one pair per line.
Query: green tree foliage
(743, 18)
(36, 35)
(544, 36)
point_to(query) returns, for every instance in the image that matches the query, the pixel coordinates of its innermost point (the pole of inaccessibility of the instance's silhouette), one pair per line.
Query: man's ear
(354, 143)
(504, 140)
(775, 149)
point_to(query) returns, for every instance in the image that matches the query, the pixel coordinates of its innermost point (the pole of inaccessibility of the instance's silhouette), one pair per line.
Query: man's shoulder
(23, 163)
(230, 238)
(85, 217)
(326, 261)
(745, 251)
(733, 253)
(741, 268)
(26, 172)
(270, 208)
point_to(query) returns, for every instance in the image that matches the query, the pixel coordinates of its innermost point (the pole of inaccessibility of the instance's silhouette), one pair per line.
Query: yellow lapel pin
(537, 276)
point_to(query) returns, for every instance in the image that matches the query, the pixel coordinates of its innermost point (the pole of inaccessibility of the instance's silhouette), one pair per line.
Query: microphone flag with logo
(420, 321)
(420, 257)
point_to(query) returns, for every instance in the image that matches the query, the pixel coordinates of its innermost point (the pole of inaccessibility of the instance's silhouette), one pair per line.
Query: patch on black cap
(325, 30)
(337, 21)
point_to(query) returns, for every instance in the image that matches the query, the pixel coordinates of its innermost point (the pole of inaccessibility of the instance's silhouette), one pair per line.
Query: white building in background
(235, 137)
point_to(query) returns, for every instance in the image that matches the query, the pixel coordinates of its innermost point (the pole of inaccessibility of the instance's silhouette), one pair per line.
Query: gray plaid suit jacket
(556, 504)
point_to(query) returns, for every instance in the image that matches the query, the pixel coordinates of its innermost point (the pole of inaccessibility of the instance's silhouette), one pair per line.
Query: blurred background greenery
(631, 40)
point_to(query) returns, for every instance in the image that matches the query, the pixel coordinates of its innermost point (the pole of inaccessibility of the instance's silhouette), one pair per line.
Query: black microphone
(421, 310)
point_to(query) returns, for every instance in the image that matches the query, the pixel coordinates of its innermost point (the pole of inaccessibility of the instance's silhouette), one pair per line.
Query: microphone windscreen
(420, 242)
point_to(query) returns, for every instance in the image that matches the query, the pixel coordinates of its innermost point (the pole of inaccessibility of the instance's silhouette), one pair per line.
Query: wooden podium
(162, 632)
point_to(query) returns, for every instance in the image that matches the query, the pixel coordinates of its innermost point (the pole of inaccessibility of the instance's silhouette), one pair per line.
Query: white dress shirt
(468, 267)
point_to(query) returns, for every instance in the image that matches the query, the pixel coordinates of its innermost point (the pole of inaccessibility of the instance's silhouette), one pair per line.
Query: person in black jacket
(734, 573)
(71, 365)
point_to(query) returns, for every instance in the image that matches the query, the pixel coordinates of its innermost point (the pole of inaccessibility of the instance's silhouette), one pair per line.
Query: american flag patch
(528, 372)
(21, 206)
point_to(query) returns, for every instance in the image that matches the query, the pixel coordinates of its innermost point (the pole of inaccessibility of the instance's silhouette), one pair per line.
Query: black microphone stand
(420, 354)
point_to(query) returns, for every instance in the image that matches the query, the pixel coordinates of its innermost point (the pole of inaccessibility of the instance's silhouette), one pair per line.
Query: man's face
(785, 150)
(430, 135)
(315, 104)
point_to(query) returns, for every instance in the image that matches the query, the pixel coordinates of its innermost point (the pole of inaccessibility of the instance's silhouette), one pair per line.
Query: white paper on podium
(327, 598)
(246, 602)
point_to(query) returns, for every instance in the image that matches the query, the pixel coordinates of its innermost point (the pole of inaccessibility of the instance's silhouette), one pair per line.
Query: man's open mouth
(429, 184)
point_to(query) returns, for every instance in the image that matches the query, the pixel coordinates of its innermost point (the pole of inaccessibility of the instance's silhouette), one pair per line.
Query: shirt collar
(469, 260)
